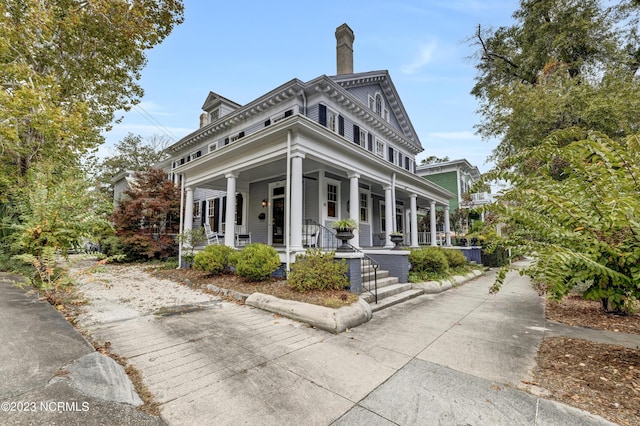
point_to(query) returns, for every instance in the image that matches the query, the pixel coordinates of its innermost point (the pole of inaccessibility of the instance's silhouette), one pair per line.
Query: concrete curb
(434, 287)
(332, 320)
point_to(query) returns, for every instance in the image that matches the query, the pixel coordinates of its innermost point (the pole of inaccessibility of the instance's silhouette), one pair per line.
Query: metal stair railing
(326, 240)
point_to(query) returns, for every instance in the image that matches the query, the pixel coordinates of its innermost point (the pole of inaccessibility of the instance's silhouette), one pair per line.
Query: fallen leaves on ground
(277, 288)
(601, 379)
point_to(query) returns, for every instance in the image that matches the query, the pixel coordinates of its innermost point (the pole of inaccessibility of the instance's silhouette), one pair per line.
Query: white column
(447, 226)
(230, 214)
(389, 212)
(432, 214)
(414, 219)
(188, 210)
(295, 230)
(354, 209)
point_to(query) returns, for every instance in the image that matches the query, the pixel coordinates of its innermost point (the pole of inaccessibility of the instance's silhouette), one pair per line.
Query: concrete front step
(395, 299)
(368, 270)
(382, 282)
(387, 291)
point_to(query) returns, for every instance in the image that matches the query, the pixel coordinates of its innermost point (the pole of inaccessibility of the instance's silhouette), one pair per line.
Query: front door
(277, 213)
(278, 221)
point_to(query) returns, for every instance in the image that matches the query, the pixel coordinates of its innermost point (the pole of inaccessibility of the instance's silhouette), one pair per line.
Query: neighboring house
(458, 176)
(121, 182)
(306, 152)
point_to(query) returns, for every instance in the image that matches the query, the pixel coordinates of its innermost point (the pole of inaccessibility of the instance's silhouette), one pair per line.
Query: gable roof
(384, 80)
(213, 98)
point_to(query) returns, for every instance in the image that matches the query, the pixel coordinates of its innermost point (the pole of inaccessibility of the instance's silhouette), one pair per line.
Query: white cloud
(422, 58)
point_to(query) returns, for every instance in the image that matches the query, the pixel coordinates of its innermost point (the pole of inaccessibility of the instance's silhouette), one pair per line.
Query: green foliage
(256, 262)
(345, 224)
(455, 258)
(66, 68)
(47, 273)
(52, 212)
(111, 246)
(428, 261)
(563, 63)
(584, 227)
(214, 259)
(317, 270)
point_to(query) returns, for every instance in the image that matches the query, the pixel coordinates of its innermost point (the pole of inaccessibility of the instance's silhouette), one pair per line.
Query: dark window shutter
(267, 123)
(288, 113)
(356, 134)
(341, 125)
(370, 142)
(390, 154)
(226, 141)
(240, 135)
(406, 163)
(322, 114)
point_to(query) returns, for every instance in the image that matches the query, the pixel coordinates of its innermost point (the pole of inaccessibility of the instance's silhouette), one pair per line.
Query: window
(383, 218)
(196, 209)
(213, 146)
(331, 121)
(214, 115)
(379, 148)
(364, 207)
(379, 103)
(332, 200)
(363, 136)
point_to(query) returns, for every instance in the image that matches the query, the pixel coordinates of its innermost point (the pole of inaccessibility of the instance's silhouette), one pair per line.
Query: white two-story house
(334, 147)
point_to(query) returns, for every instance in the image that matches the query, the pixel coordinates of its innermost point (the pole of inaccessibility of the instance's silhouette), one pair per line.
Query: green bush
(428, 260)
(256, 262)
(111, 246)
(455, 258)
(214, 259)
(316, 270)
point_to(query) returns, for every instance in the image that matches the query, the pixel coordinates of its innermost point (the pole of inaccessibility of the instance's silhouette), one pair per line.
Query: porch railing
(315, 235)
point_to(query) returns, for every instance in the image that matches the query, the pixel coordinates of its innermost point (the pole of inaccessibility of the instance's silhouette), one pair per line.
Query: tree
(432, 159)
(565, 63)
(132, 153)
(147, 218)
(580, 219)
(66, 67)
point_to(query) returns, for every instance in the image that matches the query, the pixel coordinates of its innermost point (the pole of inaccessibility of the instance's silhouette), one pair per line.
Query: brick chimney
(344, 49)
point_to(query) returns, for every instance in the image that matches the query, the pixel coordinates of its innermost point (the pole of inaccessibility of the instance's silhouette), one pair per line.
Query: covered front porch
(291, 186)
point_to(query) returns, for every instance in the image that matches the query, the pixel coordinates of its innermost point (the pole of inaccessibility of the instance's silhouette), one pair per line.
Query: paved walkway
(460, 357)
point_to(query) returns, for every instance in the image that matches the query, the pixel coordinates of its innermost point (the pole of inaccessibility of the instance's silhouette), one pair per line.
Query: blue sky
(242, 50)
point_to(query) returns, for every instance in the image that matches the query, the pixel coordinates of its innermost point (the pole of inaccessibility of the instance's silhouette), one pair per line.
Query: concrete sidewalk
(459, 357)
(41, 369)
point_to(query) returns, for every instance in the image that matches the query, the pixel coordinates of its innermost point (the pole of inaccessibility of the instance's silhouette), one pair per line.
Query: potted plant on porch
(344, 231)
(396, 238)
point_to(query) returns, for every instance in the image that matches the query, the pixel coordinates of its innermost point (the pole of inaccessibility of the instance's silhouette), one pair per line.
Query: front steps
(390, 292)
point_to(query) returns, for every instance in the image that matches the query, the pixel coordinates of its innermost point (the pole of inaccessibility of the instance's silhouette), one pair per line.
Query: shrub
(455, 258)
(256, 262)
(214, 259)
(316, 270)
(111, 246)
(428, 260)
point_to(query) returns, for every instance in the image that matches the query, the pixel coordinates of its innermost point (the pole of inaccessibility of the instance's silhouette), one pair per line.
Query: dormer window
(214, 115)
(379, 103)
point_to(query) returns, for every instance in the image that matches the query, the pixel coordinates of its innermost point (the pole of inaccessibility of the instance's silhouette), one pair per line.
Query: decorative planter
(396, 239)
(344, 235)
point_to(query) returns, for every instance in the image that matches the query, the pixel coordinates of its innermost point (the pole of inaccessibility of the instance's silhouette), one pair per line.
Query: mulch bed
(599, 378)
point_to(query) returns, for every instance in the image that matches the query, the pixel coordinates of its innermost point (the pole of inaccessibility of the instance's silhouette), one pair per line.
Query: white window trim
(363, 137)
(369, 201)
(335, 183)
(379, 144)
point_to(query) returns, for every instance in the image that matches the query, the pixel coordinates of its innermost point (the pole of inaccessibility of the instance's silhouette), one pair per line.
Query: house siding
(448, 180)
(362, 93)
